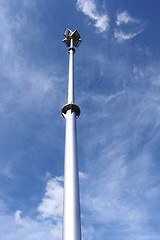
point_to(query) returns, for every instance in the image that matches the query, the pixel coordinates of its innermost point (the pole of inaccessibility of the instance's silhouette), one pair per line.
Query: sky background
(117, 87)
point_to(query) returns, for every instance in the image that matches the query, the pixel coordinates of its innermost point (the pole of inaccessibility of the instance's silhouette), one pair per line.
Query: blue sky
(117, 85)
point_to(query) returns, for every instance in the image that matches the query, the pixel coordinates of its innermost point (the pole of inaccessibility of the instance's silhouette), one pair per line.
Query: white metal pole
(71, 210)
(71, 74)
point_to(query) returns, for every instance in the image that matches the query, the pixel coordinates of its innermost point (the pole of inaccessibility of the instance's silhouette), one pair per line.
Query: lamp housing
(72, 35)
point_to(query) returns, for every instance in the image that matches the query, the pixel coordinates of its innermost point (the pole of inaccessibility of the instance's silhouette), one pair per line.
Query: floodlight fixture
(67, 32)
(72, 35)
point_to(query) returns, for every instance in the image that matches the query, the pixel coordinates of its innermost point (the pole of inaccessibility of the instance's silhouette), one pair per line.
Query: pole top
(71, 35)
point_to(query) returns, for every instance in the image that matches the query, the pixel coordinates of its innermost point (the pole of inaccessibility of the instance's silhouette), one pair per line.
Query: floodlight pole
(71, 205)
(71, 74)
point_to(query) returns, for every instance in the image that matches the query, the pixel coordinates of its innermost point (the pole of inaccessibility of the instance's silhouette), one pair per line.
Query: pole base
(71, 106)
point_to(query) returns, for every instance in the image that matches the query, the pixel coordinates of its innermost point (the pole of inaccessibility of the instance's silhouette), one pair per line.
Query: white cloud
(52, 202)
(82, 176)
(16, 68)
(18, 216)
(121, 36)
(124, 18)
(25, 85)
(13, 226)
(88, 7)
(121, 189)
(31, 229)
(116, 192)
(122, 33)
(51, 205)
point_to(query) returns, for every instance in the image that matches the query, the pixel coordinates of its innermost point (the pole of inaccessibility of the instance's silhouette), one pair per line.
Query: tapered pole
(71, 207)
(71, 74)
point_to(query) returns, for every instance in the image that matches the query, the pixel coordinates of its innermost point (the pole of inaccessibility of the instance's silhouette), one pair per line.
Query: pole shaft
(71, 208)
(71, 75)
(71, 218)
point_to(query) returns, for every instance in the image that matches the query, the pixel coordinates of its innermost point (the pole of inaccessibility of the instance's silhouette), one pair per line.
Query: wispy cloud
(82, 176)
(51, 205)
(18, 216)
(121, 190)
(15, 226)
(124, 20)
(89, 8)
(25, 84)
(121, 36)
(28, 229)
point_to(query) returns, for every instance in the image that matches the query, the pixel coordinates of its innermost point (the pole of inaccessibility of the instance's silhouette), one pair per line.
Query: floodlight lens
(67, 32)
(67, 42)
(76, 35)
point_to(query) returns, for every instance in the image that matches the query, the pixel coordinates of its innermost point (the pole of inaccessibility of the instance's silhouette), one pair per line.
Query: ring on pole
(71, 106)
